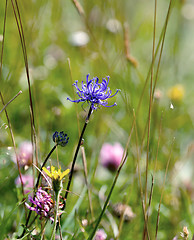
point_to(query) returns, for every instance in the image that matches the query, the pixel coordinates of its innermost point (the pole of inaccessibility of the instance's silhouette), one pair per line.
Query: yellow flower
(176, 93)
(54, 174)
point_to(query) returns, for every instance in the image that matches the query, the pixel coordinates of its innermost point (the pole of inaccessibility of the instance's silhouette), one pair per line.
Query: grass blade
(107, 200)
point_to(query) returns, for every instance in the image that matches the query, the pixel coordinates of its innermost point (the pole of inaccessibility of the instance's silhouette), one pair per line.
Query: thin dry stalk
(23, 44)
(80, 10)
(160, 56)
(128, 56)
(35, 143)
(150, 198)
(162, 191)
(139, 176)
(150, 110)
(162, 45)
(161, 39)
(3, 42)
(152, 186)
(2, 99)
(79, 7)
(11, 100)
(158, 144)
(140, 182)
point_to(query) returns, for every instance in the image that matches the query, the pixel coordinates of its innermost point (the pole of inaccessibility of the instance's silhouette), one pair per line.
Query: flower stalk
(57, 194)
(95, 94)
(75, 156)
(57, 186)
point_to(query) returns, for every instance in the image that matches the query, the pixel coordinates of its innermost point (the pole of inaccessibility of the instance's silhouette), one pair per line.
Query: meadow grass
(143, 187)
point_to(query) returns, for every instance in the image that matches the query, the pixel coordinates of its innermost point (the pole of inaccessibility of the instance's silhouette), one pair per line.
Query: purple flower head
(60, 138)
(100, 235)
(94, 92)
(43, 204)
(111, 155)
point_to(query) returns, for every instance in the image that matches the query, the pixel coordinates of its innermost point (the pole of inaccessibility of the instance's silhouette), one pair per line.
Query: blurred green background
(62, 43)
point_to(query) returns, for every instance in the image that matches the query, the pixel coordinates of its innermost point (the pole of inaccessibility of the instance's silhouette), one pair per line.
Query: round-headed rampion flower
(111, 155)
(60, 138)
(100, 235)
(27, 181)
(94, 92)
(43, 204)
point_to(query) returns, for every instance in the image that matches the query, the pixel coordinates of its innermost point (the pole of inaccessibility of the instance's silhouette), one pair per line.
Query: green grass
(54, 64)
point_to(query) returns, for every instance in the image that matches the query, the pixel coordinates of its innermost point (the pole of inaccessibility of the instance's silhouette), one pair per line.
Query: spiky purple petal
(94, 92)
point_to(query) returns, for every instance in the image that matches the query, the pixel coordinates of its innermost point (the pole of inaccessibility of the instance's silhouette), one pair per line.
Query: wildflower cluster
(43, 203)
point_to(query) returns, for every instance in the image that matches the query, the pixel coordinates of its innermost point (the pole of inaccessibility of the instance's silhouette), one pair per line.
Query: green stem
(75, 156)
(56, 214)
